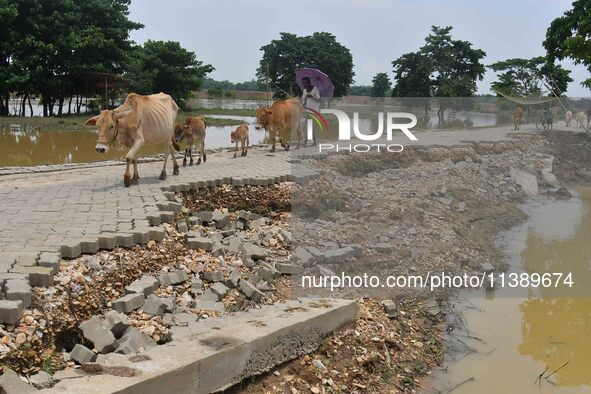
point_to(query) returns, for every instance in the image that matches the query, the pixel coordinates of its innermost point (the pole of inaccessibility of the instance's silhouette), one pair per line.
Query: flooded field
(22, 145)
(529, 341)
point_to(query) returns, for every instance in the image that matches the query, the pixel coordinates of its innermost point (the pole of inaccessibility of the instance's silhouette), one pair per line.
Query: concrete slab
(219, 353)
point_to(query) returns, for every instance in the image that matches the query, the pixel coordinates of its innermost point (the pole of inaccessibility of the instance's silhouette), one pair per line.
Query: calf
(240, 134)
(193, 131)
(517, 117)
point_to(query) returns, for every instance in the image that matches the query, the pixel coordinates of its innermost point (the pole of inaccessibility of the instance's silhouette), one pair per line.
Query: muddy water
(516, 335)
(26, 146)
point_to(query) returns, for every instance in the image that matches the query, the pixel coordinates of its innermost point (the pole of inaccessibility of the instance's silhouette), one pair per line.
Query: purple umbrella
(318, 79)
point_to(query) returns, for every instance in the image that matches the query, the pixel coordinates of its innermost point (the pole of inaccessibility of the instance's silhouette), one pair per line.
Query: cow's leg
(203, 150)
(236, 149)
(129, 159)
(136, 176)
(127, 176)
(273, 139)
(185, 156)
(175, 168)
(191, 154)
(247, 143)
(166, 151)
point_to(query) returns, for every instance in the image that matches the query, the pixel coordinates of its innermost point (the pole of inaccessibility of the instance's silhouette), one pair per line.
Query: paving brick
(289, 269)
(26, 260)
(117, 322)
(200, 243)
(51, 260)
(107, 241)
(81, 354)
(11, 383)
(154, 305)
(125, 240)
(220, 290)
(145, 285)
(157, 234)
(97, 331)
(38, 276)
(10, 311)
(18, 289)
(173, 278)
(129, 302)
(213, 276)
(250, 290)
(133, 340)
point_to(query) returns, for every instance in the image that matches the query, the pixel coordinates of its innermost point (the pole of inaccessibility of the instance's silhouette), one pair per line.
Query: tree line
(64, 51)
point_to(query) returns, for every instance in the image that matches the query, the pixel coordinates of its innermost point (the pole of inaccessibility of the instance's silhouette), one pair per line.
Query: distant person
(311, 95)
(310, 99)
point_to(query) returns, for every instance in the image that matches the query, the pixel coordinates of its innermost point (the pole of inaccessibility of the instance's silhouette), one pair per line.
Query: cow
(580, 118)
(517, 117)
(139, 120)
(193, 131)
(568, 117)
(240, 135)
(283, 117)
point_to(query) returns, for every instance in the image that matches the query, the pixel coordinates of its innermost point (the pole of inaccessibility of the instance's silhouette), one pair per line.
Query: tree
(569, 36)
(48, 44)
(165, 66)
(283, 57)
(359, 90)
(443, 67)
(380, 84)
(527, 77)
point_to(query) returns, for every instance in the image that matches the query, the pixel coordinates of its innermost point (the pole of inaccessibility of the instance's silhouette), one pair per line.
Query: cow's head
(107, 128)
(234, 136)
(263, 117)
(178, 132)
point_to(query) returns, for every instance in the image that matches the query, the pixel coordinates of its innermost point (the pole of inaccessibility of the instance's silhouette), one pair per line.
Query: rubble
(129, 302)
(82, 354)
(96, 331)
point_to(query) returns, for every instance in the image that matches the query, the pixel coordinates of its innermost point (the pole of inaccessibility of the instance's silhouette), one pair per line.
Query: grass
(220, 111)
(77, 122)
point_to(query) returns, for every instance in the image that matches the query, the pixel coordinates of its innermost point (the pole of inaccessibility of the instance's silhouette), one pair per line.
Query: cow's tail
(175, 144)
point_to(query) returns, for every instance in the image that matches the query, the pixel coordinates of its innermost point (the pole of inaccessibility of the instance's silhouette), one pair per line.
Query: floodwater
(516, 335)
(27, 146)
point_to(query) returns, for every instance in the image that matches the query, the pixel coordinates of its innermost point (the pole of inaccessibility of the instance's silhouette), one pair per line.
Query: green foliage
(443, 67)
(46, 44)
(165, 66)
(381, 83)
(215, 92)
(359, 90)
(251, 85)
(283, 57)
(526, 77)
(569, 36)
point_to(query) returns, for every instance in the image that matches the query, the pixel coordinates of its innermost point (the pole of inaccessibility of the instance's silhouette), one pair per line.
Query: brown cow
(193, 131)
(139, 120)
(517, 117)
(240, 134)
(282, 117)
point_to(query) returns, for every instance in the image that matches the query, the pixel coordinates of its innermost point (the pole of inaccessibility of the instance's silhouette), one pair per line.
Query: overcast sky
(229, 33)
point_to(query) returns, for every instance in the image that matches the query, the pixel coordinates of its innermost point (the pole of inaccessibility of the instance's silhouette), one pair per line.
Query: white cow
(568, 117)
(140, 120)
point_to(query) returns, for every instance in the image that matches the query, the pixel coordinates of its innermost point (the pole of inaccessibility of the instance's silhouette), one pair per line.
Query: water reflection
(523, 332)
(27, 146)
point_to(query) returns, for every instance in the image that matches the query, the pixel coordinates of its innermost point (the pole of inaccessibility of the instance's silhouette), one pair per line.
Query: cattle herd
(150, 119)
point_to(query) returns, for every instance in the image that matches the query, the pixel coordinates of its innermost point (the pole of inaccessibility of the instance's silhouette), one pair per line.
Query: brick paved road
(71, 212)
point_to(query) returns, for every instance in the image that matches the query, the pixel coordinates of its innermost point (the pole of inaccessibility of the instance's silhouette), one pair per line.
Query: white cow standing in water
(139, 120)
